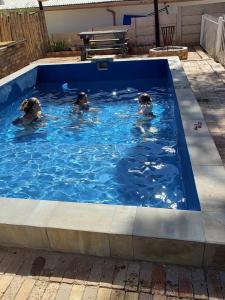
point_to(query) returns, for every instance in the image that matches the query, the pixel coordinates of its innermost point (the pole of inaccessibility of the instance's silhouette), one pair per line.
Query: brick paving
(35, 274)
(207, 79)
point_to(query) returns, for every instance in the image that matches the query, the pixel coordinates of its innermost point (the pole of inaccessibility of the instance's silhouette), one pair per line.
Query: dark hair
(145, 98)
(80, 96)
(28, 104)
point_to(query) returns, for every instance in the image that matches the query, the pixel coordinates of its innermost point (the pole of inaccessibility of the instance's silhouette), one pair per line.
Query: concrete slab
(169, 224)
(210, 187)
(203, 151)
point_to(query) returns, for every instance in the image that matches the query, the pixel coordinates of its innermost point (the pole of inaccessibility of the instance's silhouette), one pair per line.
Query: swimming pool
(110, 156)
(180, 236)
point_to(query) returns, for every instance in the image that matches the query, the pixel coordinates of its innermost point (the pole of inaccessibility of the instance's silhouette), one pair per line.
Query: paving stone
(51, 291)
(103, 294)
(131, 296)
(107, 273)
(119, 275)
(96, 272)
(60, 268)
(37, 266)
(90, 293)
(25, 289)
(132, 276)
(64, 292)
(47, 271)
(77, 292)
(214, 285)
(145, 296)
(16, 263)
(145, 279)
(6, 261)
(222, 280)
(185, 283)
(117, 295)
(83, 269)
(25, 269)
(5, 281)
(159, 297)
(158, 279)
(70, 273)
(38, 290)
(199, 284)
(13, 288)
(172, 281)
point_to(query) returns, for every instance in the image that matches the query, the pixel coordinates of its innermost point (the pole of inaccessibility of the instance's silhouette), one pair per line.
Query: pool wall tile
(121, 246)
(169, 224)
(83, 242)
(13, 87)
(168, 251)
(203, 151)
(123, 220)
(214, 256)
(81, 216)
(24, 236)
(210, 182)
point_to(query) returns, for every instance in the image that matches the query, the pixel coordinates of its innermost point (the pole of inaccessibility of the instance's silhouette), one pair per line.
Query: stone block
(168, 251)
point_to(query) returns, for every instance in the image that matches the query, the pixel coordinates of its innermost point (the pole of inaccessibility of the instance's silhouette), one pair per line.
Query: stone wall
(13, 56)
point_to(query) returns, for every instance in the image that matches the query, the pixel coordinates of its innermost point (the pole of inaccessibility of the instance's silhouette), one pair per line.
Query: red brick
(214, 285)
(145, 279)
(172, 281)
(185, 283)
(158, 279)
(199, 284)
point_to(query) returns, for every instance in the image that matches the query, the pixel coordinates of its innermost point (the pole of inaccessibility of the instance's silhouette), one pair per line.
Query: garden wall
(12, 57)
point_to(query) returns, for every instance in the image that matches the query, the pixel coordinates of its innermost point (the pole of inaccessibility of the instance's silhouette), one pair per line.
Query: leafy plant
(57, 46)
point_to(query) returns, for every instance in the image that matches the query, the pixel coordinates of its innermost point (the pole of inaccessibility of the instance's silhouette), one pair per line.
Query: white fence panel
(212, 37)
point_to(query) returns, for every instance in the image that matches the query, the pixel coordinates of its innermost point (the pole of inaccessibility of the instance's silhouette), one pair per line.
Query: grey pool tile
(16, 211)
(41, 214)
(203, 151)
(214, 225)
(190, 111)
(210, 184)
(169, 224)
(185, 95)
(90, 243)
(214, 256)
(123, 220)
(24, 236)
(82, 216)
(190, 128)
(168, 251)
(121, 246)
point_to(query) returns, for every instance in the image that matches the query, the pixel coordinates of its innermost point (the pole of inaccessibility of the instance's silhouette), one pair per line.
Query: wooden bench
(102, 41)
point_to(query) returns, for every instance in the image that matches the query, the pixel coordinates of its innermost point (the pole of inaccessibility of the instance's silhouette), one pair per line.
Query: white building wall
(77, 20)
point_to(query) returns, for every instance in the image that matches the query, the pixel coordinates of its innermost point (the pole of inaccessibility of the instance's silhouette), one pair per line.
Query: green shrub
(57, 46)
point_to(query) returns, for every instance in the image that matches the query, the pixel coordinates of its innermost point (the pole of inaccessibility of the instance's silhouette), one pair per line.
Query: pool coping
(172, 236)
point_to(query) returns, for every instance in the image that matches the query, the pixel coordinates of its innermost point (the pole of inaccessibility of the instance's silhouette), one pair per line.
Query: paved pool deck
(37, 275)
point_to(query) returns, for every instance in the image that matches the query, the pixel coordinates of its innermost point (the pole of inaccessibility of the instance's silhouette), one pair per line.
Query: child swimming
(145, 102)
(32, 112)
(81, 104)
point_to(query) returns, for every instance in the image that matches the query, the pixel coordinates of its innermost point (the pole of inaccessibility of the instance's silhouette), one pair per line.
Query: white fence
(212, 37)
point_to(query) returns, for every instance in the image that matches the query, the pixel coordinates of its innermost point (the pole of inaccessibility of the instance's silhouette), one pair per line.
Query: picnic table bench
(104, 40)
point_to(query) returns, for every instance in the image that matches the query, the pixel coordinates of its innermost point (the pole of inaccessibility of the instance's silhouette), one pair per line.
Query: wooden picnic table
(104, 40)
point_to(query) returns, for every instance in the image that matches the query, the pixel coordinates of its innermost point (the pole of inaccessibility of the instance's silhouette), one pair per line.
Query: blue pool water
(111, 155)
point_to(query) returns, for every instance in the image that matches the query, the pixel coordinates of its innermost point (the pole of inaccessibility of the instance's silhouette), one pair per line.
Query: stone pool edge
(172, 236)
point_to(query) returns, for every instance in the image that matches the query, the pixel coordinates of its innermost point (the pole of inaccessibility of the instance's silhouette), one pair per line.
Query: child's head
(145, 99)
(31, 105)
(82, 98)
